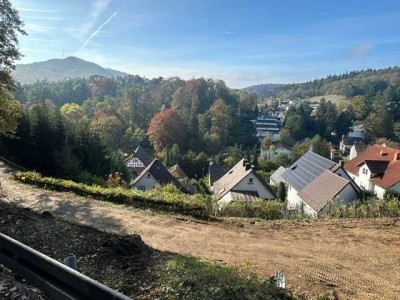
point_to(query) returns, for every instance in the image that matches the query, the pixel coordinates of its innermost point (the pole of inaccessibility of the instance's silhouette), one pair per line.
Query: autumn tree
(166, 129)
(109, 127)
(186, 102)
(74, 117)
(221, 120)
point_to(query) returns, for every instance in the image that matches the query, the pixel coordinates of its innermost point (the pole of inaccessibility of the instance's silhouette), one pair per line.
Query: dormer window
(251, 180)
(148, 175)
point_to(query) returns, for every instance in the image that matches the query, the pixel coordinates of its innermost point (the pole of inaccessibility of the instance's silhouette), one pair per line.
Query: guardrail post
(55, 279)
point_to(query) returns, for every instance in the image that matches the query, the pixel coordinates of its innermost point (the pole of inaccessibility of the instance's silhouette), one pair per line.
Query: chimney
(396, 156)
(211, 163)
(244, 162)
(247, 166)
(381, 153)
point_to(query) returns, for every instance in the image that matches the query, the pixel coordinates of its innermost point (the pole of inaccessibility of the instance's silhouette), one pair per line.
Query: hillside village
(312, 183)
(164, 169)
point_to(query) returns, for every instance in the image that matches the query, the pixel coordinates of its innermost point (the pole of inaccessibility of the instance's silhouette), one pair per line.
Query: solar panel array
(306, 169)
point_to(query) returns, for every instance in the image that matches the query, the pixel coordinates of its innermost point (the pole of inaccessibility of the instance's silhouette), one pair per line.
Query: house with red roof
(377, 169)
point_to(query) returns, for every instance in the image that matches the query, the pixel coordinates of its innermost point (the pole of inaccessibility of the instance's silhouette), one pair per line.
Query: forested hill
(59, 69)
(349, 84)
(262, 89)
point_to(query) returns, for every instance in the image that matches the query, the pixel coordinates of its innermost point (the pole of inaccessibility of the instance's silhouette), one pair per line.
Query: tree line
(77, 128)
(349, 84)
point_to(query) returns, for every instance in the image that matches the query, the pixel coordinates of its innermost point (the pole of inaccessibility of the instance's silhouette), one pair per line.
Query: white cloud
(361, 49)
(36, 27)
(36, 10)
(41, 17)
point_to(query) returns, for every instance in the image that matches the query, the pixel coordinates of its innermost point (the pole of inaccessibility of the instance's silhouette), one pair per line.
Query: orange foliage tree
(166, 128)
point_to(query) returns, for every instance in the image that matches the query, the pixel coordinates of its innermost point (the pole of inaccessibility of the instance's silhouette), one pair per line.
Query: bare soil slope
(355, 259)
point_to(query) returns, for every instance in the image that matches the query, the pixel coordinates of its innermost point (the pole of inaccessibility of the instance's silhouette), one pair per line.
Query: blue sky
(241, 42)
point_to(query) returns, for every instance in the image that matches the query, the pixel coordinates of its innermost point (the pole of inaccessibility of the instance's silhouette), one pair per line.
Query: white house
(377, 169)
(240, 183)
(272, 152)
(137, 161)
(314, 182)
(276, 177)
(356, 136)
(357, 149)
(155, 173)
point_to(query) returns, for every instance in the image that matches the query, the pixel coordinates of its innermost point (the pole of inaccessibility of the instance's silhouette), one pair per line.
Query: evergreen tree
(281, 194)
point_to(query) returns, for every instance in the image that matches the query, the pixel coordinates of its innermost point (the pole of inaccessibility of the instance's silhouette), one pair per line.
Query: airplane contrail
(96, 32)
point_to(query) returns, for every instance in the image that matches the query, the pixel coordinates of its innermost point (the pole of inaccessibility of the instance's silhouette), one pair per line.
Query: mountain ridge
(58, 69)
(349, 84)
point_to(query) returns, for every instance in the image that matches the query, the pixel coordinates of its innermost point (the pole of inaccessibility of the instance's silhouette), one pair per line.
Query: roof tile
(378, 153)
(323, 189)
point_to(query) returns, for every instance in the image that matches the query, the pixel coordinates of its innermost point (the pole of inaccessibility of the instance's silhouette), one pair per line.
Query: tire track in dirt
(357, 259)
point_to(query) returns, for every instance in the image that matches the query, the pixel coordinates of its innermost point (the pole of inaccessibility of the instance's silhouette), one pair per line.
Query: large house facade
(314, 182)
(240, 183)
(377, 169)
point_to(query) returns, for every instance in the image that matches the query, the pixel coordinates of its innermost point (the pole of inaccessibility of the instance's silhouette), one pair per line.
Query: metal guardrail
(13, 164)
(52, 277)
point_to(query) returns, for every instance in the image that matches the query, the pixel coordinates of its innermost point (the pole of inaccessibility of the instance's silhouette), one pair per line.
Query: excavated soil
(350, 259)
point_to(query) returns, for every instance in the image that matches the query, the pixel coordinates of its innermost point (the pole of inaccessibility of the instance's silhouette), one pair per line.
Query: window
(251, 180)
(148, 175)
(365, 171)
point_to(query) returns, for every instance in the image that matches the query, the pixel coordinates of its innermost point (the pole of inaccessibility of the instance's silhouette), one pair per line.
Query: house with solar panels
(314, 182)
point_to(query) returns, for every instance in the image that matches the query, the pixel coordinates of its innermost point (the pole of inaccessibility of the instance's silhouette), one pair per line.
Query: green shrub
(372, 208)
(191, 278)
(167, 198)
(264, 209)
(392, 208)
(390, 194)
(88, 178)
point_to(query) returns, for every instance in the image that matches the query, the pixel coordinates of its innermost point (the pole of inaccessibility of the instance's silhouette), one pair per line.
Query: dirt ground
(10, 288)
(353, 259)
